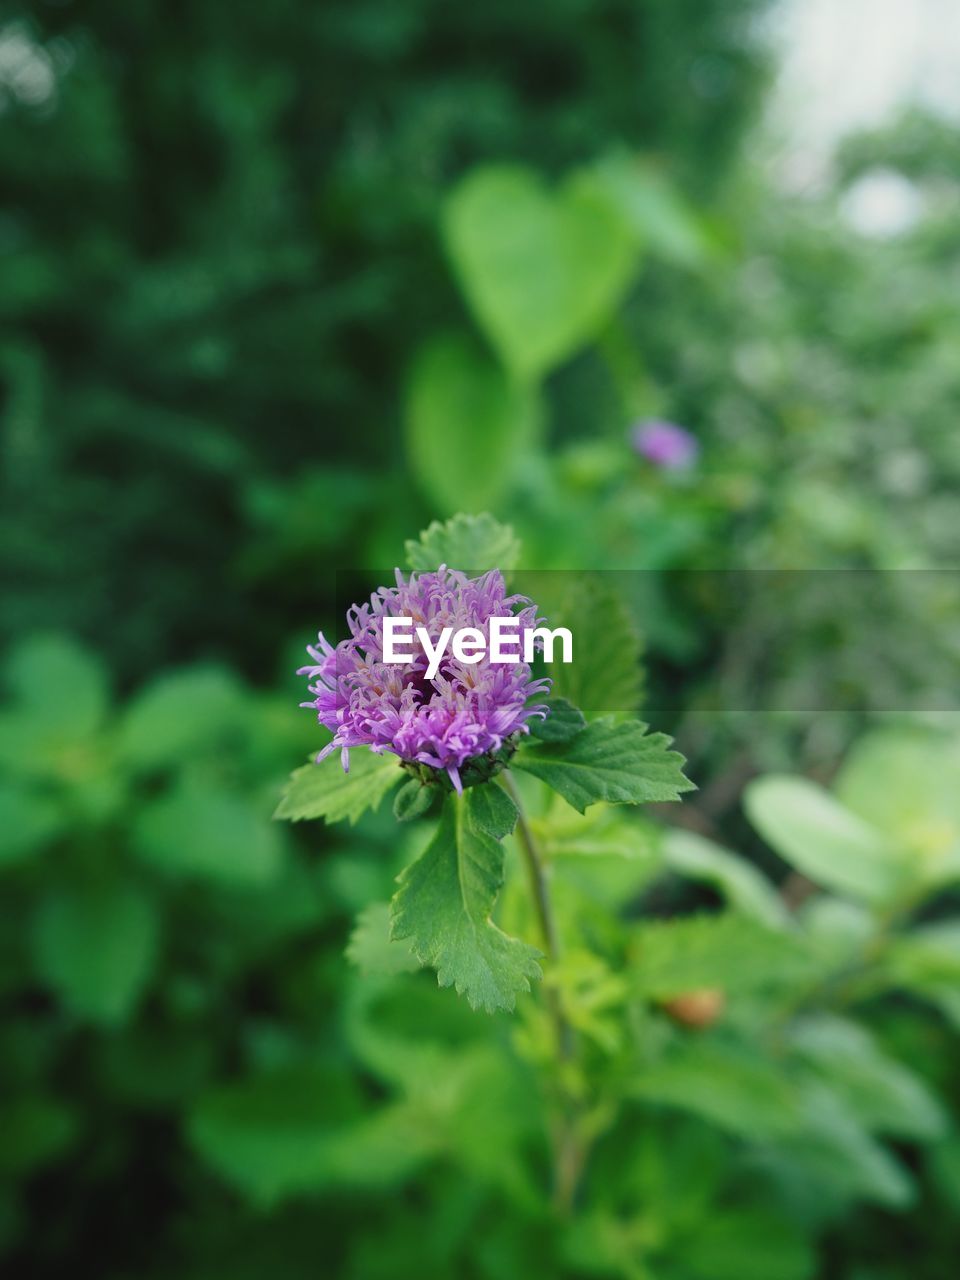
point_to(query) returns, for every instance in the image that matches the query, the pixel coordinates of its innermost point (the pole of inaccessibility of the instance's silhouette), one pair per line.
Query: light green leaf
(469, 543)
(58, 682)
(541, 270)
(372, 949)
(97, 948)
(743, 886)
(907, 784)
(823, 840)
(325, 791)
(734, 1088)
(838, 1153)
(219, 836)
(735, 953)
(881, 1093)
(444, 905)
(468, 424)
(606, 674)
(619, 763)
(605, 831)
(28, 820)
(660, 216)
(179, 714)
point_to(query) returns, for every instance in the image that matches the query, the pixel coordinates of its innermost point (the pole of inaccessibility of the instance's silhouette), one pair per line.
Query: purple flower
(466, 711)
(664, 444)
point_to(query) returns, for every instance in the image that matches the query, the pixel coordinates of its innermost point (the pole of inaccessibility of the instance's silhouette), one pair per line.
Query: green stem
(569, 1149)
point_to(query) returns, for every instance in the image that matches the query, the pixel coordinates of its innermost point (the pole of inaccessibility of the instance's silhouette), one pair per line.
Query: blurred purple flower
(664, 444)
(466, 711)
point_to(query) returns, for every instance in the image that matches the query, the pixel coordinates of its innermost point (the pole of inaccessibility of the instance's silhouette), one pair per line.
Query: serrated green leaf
(824, 840)
(468, 424)
(325, 791)
(372, 949)
(563, 722)
(492, 810)
(882, 1094)
(735, 953)
(541, 270)
(472, 543)
(619, 763)
(214, 834)
(606, 674)
(444, 904)
(744, 887)
(97, 948)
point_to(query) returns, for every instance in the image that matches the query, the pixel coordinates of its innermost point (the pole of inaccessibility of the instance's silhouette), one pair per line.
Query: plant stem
(569, 1151)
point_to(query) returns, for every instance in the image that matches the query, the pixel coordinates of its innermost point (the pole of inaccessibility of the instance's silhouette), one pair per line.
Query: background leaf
(541, 270)
(97, 948)
(468, 425)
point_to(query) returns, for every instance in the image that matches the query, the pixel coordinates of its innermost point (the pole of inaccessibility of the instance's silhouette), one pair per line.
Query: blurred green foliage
(278, 287)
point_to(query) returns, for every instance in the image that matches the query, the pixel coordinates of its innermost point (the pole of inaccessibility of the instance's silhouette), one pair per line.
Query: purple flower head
(664, 444)
(465, 712)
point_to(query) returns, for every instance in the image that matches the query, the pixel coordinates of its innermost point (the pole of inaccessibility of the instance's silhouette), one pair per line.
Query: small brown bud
(700, 1008)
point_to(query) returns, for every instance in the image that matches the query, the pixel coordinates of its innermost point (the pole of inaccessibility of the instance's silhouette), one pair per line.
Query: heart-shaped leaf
(541, 270)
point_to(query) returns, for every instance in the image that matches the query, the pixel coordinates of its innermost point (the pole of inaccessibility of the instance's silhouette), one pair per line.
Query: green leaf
(28, 820)
(542, 271)
(444, 905)
(823, 840)
(838, 1153)
(733, 1087)
(606, 675)
(604, 832)
(372, 949)
(59, 683)
(474, 543)
(907, 784)
(619, 763)
(325, 791)
(563, 722)
(468, 424)
(660, 216)
(97, 948)
(219, 836)
(413, 800)
(745, 1244)
(669, 957)
(180, 714)
(285, 1133)
(743, 886)
(881, 1093)
(493, 810)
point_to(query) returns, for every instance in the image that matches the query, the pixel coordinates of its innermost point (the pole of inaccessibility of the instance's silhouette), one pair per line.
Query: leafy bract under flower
(467, 711)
